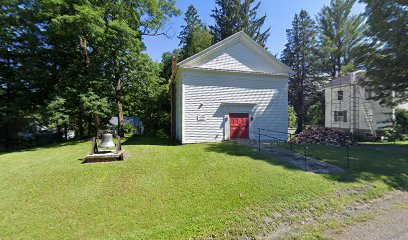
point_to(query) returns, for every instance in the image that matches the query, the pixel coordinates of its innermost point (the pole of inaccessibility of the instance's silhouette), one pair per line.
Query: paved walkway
(285, 155)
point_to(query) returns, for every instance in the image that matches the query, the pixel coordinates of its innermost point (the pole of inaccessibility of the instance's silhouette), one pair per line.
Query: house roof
(351, 78)
(134, 120)
(271, 66)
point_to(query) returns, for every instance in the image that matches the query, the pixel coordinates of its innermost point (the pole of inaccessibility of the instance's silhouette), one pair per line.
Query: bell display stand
(106, 155)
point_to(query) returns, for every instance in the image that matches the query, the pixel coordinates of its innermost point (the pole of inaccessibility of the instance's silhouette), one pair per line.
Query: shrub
(292, 119)
(161, 133)
(129, 128)
(395, 134)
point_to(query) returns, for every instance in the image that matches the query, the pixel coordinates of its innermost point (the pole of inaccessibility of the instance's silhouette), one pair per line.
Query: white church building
(228, 91)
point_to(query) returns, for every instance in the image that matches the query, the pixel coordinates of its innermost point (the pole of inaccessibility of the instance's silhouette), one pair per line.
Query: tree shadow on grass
(52, 145)
(241, 150)
(148, 140)
(365, 164)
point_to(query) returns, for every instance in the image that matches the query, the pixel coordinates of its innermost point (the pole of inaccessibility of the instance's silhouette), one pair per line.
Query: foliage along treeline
(72, 64)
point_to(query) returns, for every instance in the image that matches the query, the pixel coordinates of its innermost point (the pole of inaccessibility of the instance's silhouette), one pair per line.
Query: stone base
(107, 156)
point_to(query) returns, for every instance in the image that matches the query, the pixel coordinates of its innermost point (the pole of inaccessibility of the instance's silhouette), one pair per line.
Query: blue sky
(279, 14)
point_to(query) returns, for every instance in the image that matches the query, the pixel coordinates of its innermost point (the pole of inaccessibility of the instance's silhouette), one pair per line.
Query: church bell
(107, 141)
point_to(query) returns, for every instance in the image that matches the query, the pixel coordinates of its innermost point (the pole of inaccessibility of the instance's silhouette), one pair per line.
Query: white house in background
(229, 90)
(349, 106)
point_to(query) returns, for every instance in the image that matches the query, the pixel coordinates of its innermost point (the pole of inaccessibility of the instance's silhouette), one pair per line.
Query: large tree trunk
(119, 97)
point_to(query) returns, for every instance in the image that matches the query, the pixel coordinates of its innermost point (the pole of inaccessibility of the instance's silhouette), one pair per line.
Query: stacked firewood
(325, 136)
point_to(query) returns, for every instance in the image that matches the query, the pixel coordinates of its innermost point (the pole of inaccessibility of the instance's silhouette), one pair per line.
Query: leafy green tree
(339, 35)
(166, 62)
(151, 93)
(73, 56)
(200, 40)
(387, 50)
(24, 70)
(315, 115)
(75, 31)
(125, 24)
(232, 16)
(96, 108)
(58, 115)
(299, 54)
(103, 40)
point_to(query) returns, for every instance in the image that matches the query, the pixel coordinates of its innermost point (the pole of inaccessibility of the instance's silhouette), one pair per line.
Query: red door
(239, 125)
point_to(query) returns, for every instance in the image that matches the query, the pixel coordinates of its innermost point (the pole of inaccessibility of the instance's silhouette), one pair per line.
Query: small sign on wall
(201, 117)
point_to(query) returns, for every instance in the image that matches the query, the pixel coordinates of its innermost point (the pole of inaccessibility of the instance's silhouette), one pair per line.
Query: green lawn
(366, 162)
(163, 191)
(394, 144)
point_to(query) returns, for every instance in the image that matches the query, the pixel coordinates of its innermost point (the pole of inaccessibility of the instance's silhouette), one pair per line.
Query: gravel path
(391, 221)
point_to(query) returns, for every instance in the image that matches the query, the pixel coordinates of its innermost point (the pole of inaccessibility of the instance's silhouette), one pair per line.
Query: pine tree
(299, 54)
(387, 54)
(194, 36)
(339, 34)
(232, 16)
(193, 22)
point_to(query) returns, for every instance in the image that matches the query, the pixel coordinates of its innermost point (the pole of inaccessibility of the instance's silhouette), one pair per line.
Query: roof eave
(286, 75)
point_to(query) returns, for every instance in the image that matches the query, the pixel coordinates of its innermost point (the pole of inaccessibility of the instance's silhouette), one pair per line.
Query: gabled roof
(218, 55)
(352, 78)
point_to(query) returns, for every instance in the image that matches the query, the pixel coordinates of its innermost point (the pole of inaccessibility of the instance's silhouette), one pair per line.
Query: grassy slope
(163, 191)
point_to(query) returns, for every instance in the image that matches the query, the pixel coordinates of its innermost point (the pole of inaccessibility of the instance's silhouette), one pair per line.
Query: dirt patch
(382, 218)
(389, 218)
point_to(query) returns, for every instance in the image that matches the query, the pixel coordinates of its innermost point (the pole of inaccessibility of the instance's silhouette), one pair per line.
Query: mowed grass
(163, 191)
(390, 144)
(373, 162)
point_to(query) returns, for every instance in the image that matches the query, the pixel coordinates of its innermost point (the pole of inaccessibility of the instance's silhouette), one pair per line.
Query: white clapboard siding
(205, 92)
(235, 75)
(379, 115)
(236, 57)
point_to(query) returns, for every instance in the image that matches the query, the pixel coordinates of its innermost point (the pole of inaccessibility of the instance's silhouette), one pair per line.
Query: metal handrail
(268, 130)
(305, 148)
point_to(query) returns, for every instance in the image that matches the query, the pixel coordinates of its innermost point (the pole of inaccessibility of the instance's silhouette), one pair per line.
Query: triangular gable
(238, 53)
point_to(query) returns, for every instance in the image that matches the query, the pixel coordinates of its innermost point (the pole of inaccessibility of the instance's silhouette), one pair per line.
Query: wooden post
(259, 139)
(348, 156)
(94, 148)
(119, 145)
(305, 158)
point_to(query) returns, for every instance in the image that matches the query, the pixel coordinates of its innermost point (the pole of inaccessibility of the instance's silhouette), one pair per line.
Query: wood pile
(324, 136)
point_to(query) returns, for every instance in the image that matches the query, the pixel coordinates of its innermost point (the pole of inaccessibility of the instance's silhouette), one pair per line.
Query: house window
(340, 116)
(339, 95)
